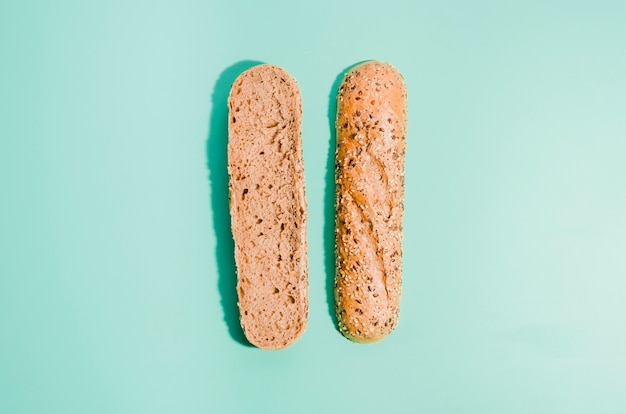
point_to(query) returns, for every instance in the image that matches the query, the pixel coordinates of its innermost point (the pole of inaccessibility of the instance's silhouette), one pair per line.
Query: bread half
(371, 140)
(268, 205)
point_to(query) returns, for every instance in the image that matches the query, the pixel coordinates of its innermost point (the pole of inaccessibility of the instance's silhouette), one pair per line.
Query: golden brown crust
(371, 138)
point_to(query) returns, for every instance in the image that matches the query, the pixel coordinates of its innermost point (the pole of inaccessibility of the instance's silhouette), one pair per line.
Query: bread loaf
(268, 206)
(371, 138)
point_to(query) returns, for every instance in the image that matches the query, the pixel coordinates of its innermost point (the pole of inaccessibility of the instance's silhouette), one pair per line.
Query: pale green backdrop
(116, 274)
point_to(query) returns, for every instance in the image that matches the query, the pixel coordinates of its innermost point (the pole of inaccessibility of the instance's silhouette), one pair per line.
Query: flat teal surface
(116, 270)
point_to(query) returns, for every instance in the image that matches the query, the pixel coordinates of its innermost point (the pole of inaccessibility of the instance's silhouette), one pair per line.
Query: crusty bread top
(371, 140)
(268, 206)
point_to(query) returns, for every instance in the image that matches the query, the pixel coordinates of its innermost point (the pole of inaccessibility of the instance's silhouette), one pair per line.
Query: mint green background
(115, 269)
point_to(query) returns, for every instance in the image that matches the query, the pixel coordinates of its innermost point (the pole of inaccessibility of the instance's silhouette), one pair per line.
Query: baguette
(268, 205)
(369, 164)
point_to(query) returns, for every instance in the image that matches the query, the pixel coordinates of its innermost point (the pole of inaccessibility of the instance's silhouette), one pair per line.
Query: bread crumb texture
(268, 206)
(369, 166)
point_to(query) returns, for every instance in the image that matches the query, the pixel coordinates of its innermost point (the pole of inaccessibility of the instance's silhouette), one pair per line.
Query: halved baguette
(268, 205)
(371, 139)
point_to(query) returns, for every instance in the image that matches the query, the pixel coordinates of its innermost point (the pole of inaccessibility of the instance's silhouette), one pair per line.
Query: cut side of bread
(268, 205)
